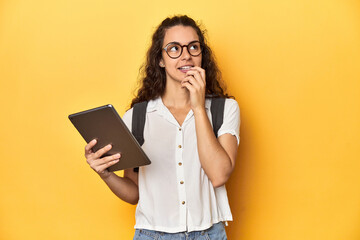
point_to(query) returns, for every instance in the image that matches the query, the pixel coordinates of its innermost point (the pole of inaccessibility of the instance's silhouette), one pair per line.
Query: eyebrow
(181, 44)
(172, 42)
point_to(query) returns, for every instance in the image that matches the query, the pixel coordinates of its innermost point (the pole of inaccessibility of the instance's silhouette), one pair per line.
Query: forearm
(123, 187)
(213, 158)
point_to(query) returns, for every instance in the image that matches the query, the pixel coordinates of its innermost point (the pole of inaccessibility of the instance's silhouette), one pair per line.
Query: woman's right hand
(97, 163)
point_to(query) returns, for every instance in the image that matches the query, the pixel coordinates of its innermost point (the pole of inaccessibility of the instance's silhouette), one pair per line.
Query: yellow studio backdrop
(293, 66)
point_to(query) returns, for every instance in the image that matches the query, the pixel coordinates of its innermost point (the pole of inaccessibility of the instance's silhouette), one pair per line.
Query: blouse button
(183, 203)
(180, 163)
(181, 182)
(179, 146)
(179, 129)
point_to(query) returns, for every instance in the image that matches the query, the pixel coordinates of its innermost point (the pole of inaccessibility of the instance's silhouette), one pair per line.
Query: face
(176, 68)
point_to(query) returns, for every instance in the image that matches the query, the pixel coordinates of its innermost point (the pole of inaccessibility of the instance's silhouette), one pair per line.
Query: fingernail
(117, 155)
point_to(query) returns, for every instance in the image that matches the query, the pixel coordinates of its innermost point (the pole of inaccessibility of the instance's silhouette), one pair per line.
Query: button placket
(180, 175)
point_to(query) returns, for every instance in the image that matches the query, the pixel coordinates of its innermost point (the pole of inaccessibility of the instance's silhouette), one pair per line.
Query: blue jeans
(216, 232)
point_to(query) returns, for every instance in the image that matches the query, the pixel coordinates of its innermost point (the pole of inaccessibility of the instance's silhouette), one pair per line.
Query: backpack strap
(217, 113)
(138, 123)
(139, 117)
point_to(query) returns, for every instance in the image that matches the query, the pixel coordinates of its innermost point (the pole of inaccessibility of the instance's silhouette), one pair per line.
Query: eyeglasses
(174, 49)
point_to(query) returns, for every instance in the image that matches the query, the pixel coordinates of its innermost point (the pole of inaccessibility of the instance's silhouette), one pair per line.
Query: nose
(185, 53)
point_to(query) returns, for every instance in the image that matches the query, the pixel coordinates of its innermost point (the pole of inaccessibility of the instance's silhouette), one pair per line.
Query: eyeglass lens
(174, 50)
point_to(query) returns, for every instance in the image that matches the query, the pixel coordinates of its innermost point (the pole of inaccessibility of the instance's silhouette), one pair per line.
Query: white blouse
(175, 194)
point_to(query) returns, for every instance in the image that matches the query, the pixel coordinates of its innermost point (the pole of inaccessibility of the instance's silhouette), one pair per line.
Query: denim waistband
(217, 231)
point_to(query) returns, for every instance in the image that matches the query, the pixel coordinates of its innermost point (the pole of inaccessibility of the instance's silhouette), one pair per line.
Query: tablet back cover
(105, 125)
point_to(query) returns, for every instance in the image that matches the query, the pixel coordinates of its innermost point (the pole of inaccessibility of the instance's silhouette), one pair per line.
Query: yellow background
(293, 66)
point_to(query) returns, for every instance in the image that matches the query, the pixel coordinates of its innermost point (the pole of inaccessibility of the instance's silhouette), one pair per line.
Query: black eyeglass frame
(182, 48)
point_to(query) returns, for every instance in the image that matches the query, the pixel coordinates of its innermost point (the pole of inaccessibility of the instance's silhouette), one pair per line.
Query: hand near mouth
(195, 82)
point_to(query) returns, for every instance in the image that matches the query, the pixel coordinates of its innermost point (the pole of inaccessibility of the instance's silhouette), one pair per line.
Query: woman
(181, 193)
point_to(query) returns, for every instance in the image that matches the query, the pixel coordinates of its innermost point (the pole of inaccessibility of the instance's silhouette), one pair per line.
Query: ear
(161, 63)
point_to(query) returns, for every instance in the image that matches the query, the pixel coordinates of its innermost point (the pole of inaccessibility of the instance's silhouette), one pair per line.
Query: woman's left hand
(195, 82)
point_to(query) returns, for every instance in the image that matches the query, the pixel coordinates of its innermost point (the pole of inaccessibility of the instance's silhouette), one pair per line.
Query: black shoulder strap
(217, 113)
(139, 117)
(138, 123)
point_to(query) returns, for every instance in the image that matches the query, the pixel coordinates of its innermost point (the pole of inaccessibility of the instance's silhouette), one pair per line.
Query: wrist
(199, 111)
(105, 175)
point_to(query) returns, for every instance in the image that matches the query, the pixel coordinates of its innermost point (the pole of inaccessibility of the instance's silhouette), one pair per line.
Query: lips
(186, 68)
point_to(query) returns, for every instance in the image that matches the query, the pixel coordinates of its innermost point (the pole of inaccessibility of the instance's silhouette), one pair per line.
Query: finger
(201, 71)
(103, 167)
(194, 73)
(195, 83)
(89, 146)
(102, 151)
(188, 85)
(110, 158)
(105, 162)
(197, 76)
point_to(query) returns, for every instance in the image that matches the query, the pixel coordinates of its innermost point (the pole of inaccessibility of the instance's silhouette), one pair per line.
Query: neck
(176, 96)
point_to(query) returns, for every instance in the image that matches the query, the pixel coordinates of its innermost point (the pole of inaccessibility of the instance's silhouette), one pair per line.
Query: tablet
(104, 124)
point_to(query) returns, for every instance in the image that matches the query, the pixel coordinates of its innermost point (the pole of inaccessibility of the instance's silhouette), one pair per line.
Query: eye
(194, 46)
(173, 48)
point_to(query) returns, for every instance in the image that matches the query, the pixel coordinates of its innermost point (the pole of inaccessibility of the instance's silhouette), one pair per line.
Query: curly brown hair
(153, 77)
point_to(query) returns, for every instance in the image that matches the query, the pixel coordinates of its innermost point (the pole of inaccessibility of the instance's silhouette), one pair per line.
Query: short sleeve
(231, 123)
(127, 118)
